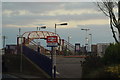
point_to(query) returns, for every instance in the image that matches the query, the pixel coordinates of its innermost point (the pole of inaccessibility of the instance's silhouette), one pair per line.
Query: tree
(108, 7)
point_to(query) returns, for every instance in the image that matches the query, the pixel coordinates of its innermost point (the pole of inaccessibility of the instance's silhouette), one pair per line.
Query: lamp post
(60, 24)
(90, 42)
(20, 36)
(38, 43)
(42, 27)
(54, 61)
(86, 38)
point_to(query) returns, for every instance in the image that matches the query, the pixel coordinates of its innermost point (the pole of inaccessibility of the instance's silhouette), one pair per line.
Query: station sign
(52, 41)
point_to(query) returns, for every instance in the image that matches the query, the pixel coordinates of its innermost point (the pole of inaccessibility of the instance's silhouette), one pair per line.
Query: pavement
(69, 67)
(29, 70)
(9, 76)
(18, 76)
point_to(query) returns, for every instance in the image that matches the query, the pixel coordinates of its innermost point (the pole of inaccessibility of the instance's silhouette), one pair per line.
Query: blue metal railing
(40, 60)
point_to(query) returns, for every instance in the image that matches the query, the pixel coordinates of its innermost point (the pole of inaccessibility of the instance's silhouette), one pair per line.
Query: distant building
(101, 47)
(94, 48)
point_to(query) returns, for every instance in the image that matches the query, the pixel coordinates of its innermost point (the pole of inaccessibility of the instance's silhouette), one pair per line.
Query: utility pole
(86, 38)
(54, 59)
(90, 42)
(38, 43)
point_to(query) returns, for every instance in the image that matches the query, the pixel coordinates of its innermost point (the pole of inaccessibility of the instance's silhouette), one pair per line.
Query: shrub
(112, 54)
(91, 65)
(106, 67)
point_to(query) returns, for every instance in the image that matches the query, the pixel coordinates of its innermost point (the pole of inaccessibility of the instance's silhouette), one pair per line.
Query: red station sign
(52, 41)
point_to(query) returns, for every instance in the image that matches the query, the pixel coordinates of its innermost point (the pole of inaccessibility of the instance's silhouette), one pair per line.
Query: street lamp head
(59, 24)
(43, 27)
(82, 29)
(85, 29)
(64, 24)
(90, 34)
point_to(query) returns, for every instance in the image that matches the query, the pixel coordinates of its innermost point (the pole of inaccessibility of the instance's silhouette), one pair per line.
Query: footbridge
(37, 54)
(30, 36)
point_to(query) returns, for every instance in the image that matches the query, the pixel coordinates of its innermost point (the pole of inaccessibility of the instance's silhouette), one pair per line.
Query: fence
(40, 60)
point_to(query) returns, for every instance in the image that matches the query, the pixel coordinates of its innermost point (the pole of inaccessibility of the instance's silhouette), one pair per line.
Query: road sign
(52, 41)
(52, 44)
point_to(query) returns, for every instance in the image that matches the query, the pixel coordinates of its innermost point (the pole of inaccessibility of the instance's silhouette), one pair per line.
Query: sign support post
(52, 41)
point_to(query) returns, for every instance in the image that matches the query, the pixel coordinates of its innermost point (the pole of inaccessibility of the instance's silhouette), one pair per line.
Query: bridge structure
(30, 36)
(28, 46)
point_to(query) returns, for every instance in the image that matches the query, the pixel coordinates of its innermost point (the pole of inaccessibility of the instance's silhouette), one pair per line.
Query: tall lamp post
(90, 42)
(42, 27)
(21, 40)
(86, 38)
(54, 61)
(38, 29)
(60, 24)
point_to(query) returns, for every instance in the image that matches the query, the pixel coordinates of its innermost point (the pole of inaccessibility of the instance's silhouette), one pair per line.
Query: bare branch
(113, 24)
(106, 6)
(109, 6)
(102, 9)
(113, 30)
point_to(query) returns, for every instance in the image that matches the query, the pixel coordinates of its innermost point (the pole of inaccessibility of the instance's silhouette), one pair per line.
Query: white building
(101, 47)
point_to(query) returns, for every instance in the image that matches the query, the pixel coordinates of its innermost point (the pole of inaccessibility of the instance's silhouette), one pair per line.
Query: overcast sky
(78, 15)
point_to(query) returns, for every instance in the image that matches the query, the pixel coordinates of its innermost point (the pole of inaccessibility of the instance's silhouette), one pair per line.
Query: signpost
(52, 41)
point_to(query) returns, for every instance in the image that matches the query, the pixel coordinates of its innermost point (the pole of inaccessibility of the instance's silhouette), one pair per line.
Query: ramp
(40, 60)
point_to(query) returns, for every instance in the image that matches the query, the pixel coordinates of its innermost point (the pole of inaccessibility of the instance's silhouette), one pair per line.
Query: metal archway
(31, 35)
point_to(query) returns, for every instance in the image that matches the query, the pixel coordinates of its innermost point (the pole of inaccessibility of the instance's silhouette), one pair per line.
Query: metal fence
(41, 60)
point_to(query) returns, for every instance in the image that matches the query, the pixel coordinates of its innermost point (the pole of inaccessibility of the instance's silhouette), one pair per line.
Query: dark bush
(94, 66)
(91, 64)
(112, 55)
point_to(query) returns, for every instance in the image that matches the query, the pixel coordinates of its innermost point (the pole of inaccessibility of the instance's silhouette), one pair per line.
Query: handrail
(69, 44)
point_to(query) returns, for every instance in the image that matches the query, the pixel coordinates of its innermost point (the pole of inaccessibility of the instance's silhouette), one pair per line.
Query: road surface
(69, 67)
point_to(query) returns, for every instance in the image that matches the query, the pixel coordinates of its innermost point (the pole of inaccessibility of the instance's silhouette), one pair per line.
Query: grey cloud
(42, 7)
(29, 19)
(31, 6)
(79, 5)
(100, 33)
(80, 17)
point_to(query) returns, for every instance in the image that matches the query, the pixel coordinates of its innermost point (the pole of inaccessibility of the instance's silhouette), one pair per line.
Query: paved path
(9, 76)
(18, 76)
(69, 67)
